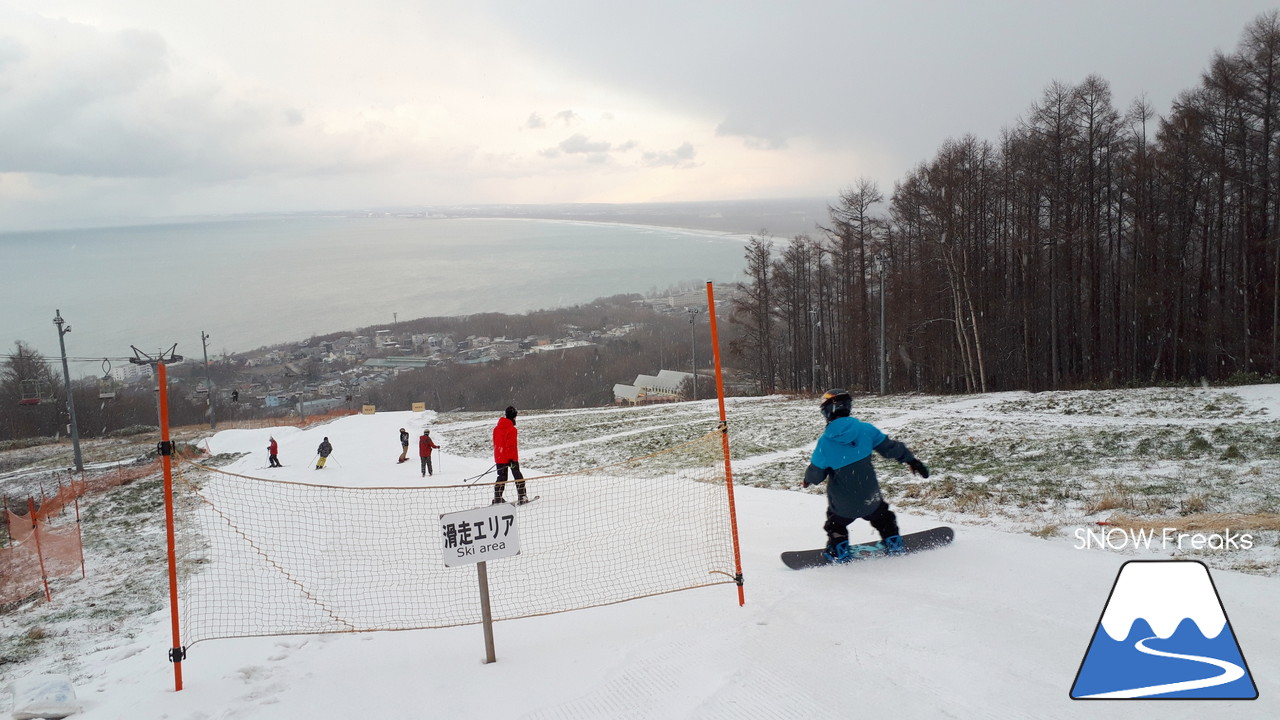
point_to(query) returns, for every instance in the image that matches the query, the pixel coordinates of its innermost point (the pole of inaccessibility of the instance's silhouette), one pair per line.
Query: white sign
(485, 533)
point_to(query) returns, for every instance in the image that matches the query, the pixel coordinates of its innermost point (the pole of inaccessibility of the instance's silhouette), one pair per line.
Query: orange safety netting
(19, 572)
(43, 544)
(65, 496)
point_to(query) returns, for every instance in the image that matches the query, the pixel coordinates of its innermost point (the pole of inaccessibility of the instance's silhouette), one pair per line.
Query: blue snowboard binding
(893, 545)
(838, 553)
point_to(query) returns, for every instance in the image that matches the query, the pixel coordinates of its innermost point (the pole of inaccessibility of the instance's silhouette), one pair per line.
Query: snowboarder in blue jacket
(843, 456)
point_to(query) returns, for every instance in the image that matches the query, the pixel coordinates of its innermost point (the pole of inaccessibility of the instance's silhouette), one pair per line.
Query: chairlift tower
(693, 351)
(71, 396)
(208, 384)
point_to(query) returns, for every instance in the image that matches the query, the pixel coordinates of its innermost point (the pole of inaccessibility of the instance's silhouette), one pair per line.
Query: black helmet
(511, 412)
(836, 403)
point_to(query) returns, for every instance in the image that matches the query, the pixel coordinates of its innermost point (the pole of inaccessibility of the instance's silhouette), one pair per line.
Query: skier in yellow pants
(324, 450)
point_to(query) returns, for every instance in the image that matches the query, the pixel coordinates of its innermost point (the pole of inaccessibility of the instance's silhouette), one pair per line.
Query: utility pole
(71, 396)
(882, 260)
(693, 353)
(208, 384)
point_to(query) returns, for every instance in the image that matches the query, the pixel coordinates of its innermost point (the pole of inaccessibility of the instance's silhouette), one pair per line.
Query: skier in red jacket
(424, 451)
(273, 452)
(506, 456)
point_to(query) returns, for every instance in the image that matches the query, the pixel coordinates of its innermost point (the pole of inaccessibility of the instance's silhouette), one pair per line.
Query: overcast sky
(132, 109)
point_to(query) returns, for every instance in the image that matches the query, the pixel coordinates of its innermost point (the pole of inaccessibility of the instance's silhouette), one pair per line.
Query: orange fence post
(80, 539)
(35, 533)
(176, 652)
(724, 440)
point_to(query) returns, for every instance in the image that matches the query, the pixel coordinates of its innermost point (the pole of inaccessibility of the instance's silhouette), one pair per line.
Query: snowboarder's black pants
(426, 464)
(882, 519)
(502, 480)
(275, 461)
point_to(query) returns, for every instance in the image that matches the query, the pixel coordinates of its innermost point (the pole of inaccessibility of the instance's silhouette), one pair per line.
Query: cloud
(535, 122)
(756, 133)
(579, 143)
(680, 158)
(566, 116)
(120, 104)
(595, 150)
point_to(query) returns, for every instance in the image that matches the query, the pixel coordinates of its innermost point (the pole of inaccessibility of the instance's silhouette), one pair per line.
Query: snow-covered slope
(993, 626)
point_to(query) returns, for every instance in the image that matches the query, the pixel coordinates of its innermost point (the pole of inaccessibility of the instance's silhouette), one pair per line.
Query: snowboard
(912, 542)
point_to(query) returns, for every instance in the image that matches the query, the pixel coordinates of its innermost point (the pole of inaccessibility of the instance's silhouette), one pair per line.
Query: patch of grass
(1195, 504)
(974, 498)
(132, 430)
(968, 458)
(1197, 445)
(1045, 532)
(1255, 567)
(20, 647)
(1232, 454)
(1116, 497)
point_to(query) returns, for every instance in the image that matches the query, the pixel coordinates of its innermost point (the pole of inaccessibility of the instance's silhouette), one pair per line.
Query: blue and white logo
(1164, 634)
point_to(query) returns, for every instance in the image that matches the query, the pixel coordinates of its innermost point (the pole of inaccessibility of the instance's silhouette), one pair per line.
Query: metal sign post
(473, 537)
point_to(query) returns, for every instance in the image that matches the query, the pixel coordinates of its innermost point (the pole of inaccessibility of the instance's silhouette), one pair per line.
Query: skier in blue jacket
(843, 455)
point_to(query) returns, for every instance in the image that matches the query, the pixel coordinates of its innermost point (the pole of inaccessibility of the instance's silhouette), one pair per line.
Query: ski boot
(893, 545)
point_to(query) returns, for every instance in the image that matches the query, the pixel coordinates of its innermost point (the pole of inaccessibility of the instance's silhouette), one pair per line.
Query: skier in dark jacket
(425, 446)
(506, 456)
(324, 450)
(843, 456)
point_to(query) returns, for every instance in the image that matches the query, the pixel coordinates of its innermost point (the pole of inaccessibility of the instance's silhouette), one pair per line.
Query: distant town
(323, 374)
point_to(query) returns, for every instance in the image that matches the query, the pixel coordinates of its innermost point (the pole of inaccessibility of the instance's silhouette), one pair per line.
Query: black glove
(918, 467)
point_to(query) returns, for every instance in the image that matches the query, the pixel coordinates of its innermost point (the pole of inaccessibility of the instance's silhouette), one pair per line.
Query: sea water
(249, 283)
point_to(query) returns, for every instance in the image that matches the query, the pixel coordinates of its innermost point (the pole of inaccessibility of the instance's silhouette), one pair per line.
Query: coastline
(255, 282)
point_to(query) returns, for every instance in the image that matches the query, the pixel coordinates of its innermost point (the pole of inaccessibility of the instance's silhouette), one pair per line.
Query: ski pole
(477, 477)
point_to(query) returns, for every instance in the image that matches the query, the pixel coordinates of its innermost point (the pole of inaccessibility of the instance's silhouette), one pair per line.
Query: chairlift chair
(106, 386)
(35, 392)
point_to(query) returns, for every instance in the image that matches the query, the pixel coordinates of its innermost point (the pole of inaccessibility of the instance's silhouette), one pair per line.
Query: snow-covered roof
(630, 393)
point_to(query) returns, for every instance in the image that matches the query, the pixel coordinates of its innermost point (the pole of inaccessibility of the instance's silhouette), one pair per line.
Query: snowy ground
(993, 626)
